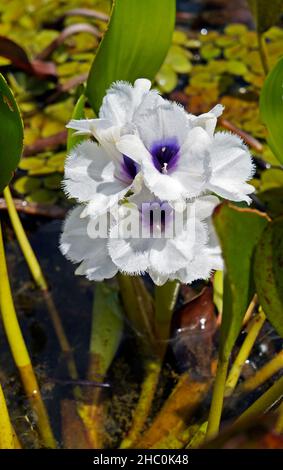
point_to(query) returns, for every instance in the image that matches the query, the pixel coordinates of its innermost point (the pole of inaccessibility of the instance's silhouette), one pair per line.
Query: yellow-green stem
(7, 440)
(262, 404)
(279, 423)
(141, 412)
(40, 281)
(20, 352)
(244, 352)
(262, 52)
(216, 406)
(263, 374)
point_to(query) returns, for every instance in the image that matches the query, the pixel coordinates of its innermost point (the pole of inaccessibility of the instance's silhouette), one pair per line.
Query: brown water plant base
(169, 429)
(142, 410)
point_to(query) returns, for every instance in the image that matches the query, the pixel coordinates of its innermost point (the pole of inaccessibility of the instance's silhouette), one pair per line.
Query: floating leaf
(26, 184)
(31, 163)
(53, 182)
(271, 108)
(268, 273)
(239, 231)
(134, 45)
(11, 134)
(42, 196)
(265, 15)
(210, 51)
(166, 78)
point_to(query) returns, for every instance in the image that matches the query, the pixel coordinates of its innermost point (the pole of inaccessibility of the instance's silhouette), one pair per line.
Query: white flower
(181, 157)
(160, 248)
(155, 165)
(80, 245)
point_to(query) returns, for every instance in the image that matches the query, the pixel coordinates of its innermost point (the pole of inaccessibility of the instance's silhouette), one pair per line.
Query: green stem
(149, 385)
(20, 353)
(262, 404)
(165, 300)
(263, 374)
(262, 52)
(41, 282)
(217, 399)
(244, 352)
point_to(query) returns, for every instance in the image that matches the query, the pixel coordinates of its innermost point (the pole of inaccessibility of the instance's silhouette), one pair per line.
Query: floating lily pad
(26, 184)
(53, 181)
(42, 196)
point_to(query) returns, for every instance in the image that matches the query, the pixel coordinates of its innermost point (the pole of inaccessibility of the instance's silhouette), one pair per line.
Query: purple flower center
(165, 155)
(156, 216)
(130, 167)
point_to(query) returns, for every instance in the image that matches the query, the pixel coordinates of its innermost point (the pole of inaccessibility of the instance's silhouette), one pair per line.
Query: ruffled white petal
(122, 100)
(90, 177)
(157, 123)
(78, 246)
(231, 167)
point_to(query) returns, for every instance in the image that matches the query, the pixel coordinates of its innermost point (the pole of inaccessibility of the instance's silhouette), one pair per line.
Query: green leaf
(266, 14)
(78, 113)
(271, 108)
(268, 273)
(239, 231)
(11, 135)
(107, 327)
(134, 46)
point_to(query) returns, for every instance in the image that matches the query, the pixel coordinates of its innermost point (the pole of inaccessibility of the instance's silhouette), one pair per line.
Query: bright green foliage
(11, 134)
(266, 14)
(239, 231)
(134, 46)
(268, 273)
(271, 108)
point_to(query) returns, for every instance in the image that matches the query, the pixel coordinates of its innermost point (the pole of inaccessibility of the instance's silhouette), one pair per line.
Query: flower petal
(78, 246)
(231, 167)
(90, 177)
(122, 99)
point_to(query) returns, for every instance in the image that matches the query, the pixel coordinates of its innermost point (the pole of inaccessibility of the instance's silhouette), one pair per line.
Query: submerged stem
(263, 374)
(244, 352)
(142, 410)
(41, 282)
(263, 403)
(217, 399)
(20, 352)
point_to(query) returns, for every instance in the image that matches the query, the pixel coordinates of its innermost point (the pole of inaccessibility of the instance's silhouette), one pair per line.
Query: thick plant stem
(262, 52)
(41, 282)
(142, 410)
(7, 433)
(262, 404)
(217, 399)
(263, 374)
(244, 352)
(279, 423)
(20, 352)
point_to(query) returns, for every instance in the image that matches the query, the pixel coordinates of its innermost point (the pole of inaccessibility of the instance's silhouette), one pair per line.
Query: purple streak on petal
(129, 167)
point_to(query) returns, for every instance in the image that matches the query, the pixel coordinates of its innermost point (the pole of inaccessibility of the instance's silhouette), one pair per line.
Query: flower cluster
(147, 163)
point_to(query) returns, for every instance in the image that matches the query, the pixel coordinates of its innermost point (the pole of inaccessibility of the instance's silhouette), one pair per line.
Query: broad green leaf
(266, 13)
(78, 113)
(271, 108)
(134, 46)
(268, 273)
(11, 134)
(107, 327)
(239, 231)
